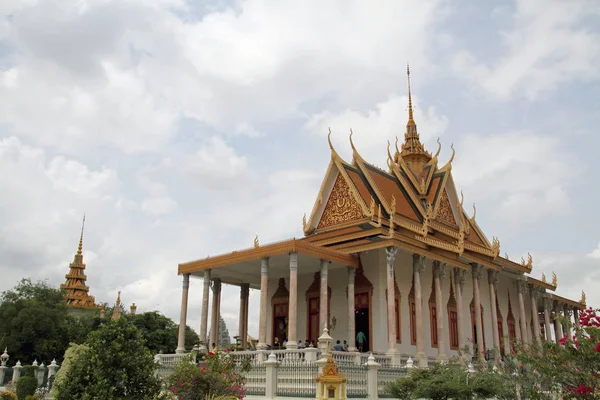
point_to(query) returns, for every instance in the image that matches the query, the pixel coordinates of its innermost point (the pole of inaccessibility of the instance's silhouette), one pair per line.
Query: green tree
(160, 332)
(36, 323)
(115, 365)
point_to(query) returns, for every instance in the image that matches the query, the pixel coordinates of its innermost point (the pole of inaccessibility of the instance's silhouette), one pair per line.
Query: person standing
(361, 339)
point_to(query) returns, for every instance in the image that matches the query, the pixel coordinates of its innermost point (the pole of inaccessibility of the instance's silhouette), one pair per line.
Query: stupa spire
(410, 109)
(80, 248)
(76, 291)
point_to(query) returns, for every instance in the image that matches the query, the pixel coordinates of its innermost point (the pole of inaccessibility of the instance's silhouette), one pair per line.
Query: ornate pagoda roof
(76, 291)
(414, 202)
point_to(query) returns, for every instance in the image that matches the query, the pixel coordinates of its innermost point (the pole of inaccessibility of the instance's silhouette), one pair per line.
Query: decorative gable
(445, 210)
(341, 206)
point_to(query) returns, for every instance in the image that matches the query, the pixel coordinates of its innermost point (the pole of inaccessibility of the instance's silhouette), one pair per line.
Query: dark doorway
(361, 319)
(280, 328)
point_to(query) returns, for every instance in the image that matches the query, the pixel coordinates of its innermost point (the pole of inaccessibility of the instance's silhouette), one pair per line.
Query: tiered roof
(76, 291)
(414, 205)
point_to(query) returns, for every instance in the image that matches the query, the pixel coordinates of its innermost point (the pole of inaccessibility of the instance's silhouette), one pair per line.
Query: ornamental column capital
(186, 281)
(264, 266)
(439, 270)
(547, 303)
(558, 307)
(459, 276)
(216, 286)
(244, 290)
(521, 287)
(477, 271)
(418, 263)
(294, 261)
(390, 253)
(492, 277)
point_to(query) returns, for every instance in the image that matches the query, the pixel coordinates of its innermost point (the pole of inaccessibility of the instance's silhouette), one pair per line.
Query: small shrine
(330, 384)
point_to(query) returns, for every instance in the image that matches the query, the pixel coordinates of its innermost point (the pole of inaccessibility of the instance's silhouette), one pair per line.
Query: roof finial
(410, 109)
(80, 248)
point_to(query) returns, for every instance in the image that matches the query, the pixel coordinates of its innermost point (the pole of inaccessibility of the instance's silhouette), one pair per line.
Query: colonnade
(440, 271)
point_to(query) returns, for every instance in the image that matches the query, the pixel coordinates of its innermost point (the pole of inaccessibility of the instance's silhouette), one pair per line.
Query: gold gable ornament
(256, 244)
(341, 206)
(554, 279)
(544, 278)
(582, 301)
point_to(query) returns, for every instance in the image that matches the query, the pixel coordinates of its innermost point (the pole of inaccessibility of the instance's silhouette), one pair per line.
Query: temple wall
(374, 266)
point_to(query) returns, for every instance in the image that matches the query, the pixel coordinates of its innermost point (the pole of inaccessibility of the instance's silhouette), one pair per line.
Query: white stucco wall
(374, 265)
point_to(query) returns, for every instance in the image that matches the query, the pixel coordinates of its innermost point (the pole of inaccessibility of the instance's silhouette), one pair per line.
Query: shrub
(26, 386)
(8, 396)
(74, 353)
(216, 374)
(116, 365)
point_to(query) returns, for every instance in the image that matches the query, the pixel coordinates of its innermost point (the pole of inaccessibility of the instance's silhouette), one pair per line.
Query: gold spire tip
(410, 109)
(80, 248)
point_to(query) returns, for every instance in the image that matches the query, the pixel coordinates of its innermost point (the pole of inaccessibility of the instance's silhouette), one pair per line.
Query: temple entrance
(313, 319)
(361, 319)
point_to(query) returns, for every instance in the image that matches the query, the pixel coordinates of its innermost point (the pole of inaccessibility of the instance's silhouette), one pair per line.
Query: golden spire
(410, 109)
(80, 248)
(117, 310)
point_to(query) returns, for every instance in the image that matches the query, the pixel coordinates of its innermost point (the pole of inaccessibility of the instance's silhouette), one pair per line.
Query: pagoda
(76, 291)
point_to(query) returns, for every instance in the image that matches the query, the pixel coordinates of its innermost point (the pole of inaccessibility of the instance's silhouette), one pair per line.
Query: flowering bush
(8, 396)
(215, 374)
(571, 366)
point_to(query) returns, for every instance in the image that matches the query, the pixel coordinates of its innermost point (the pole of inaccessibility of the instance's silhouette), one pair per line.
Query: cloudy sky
(185, 128)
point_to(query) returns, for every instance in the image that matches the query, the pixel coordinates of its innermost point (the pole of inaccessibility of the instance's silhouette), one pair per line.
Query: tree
(571, 366)
(160, 332)
(36, 323)
(115, 365)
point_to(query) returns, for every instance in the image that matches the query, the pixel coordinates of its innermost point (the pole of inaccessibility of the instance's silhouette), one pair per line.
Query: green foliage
(26, 386)
(451, 381)
(73, 355)
(36, 322)
(160, 332)
(215, 374)
(570, 367)
(116, 365)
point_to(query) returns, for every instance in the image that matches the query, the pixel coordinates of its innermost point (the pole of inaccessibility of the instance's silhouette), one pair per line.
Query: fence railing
(297, 379)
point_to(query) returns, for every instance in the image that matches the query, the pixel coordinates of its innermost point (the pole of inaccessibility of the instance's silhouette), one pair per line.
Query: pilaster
(391, 253)
(418, 269)
(439, 273)
(183, 314)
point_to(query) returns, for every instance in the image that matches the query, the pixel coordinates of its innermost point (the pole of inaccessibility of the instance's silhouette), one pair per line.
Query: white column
(264, 287)
(477, 272)
(547, 323)
(459, 280)
(247, 292)
(557, 321)
(418, 268)
(439, 273)
(568, 332)
(391, 253)
(241, 317)
(535, 314)
(351, 311)
(214, 316)
(204, 320)
(323, 301)
(492, 282)
(521, 289)
(183, 314)
(292, 340)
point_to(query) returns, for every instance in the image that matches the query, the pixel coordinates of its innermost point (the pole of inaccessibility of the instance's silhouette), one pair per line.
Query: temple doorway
(313, 303)
(361, 319)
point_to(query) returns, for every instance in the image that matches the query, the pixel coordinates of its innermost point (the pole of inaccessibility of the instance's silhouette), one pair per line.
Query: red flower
(598, 348)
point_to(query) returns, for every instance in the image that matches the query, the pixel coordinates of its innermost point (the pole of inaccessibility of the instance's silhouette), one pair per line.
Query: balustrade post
(310, 354)
(3, 360)
(40, 374)
(17, 371)
(271, 376)
(372, 366)
(52, 368)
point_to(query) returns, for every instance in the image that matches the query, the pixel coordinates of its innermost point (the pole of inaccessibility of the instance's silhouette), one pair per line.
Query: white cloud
(530, 175)
(374, 127)
(595, 253)
(159, 205)
(128, 86)
(550, 43)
